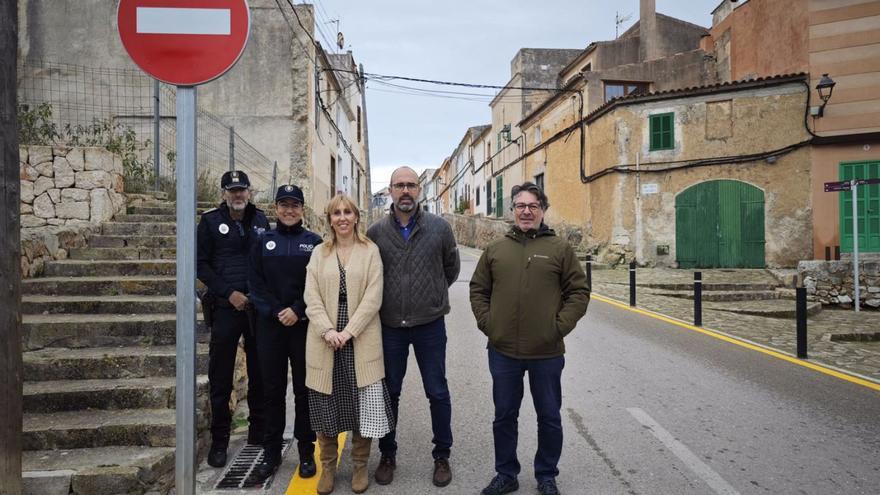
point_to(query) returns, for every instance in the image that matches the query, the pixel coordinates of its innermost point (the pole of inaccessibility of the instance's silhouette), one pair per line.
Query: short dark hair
(532, 188)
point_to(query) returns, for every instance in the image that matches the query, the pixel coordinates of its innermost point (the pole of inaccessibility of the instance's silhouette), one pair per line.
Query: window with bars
(661, 130)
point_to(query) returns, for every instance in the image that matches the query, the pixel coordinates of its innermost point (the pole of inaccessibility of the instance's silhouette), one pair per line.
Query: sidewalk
(859, 357)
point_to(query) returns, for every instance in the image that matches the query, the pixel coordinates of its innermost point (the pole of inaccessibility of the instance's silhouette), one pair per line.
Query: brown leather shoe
(385, 471)
(442, 472)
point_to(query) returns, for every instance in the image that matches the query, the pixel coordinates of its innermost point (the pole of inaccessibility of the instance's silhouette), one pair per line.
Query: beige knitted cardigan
(363, 280)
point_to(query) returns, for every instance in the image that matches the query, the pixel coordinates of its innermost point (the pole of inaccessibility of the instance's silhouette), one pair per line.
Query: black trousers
(229, 326)
(279, 345)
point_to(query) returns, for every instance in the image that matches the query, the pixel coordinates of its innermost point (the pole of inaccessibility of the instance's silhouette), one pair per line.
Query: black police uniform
(224, 245)
(277, 281)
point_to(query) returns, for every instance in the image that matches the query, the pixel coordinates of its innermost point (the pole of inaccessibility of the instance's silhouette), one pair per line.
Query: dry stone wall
(831, 282)
(66, 193)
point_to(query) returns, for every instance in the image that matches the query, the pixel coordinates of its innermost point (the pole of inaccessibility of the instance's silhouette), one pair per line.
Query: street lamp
(824, 88)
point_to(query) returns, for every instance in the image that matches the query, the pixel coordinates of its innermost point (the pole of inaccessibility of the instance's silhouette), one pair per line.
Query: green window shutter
(661, 129)
(868, 205)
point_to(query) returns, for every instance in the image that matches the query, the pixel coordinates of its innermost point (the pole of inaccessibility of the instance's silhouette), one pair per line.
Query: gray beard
(406, 208)
(233, 208)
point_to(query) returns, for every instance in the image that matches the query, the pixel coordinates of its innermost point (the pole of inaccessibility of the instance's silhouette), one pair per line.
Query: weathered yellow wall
(710, 126)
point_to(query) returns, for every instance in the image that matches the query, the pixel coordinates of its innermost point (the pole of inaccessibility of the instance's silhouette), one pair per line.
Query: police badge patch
(224, 229)
(270, 245)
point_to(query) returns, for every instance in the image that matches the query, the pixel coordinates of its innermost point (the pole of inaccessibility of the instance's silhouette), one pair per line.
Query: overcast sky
(467, 41)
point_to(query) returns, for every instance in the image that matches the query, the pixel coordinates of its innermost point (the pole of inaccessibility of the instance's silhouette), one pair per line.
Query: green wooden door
(868, 206)
(499, 196)
(720, 224)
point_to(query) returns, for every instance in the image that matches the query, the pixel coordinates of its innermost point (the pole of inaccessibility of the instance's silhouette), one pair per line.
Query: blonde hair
(342, 200)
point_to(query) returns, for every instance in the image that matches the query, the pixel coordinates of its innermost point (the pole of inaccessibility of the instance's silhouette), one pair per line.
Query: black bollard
(801, 322)
(589, 267)
(827, 253)
(632, 283)
(698, 299)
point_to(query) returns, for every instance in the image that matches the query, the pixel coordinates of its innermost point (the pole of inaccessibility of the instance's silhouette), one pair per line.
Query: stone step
(122, 253)
(94, 363)
(723, 295)
(148, 209)
(104, 330)
(105, 286)
(122, 241)
(46, 304)
(779, 308)
(162, 209)
(136, 228)
(93, 428)
(711, 286)
(101, 470)
(131, 393)
(105, 268)
(145, 218)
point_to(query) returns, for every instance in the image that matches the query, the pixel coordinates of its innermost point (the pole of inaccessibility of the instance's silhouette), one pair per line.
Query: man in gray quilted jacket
(421, 261)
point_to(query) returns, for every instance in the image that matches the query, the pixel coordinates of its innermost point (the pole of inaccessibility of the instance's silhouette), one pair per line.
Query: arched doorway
(720, 224)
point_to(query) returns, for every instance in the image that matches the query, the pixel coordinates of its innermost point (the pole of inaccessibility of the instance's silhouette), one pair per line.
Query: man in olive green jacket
(527, 293)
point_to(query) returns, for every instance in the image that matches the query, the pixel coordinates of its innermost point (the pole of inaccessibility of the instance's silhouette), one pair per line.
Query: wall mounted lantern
(824, 88)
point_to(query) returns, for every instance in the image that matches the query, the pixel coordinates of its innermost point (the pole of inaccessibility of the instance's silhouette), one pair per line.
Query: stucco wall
(759, 120)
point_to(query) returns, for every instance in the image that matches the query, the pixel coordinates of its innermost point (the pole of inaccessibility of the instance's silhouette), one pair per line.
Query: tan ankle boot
(360, 454)
(329, 455)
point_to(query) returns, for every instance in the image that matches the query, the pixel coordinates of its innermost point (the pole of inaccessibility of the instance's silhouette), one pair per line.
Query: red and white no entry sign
(184, 42)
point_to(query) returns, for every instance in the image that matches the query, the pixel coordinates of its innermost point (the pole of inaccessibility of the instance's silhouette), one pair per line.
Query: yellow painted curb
(309, 486)
(718, 335)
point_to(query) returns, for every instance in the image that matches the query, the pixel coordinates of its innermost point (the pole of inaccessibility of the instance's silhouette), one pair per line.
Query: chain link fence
(135, 116)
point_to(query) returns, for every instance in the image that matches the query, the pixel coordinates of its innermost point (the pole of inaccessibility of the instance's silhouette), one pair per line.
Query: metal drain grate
(240, 473)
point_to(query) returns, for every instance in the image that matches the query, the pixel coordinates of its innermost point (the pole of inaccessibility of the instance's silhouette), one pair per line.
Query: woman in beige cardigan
(344, 367)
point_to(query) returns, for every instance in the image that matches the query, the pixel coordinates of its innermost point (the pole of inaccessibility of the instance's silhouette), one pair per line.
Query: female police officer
(277, 278)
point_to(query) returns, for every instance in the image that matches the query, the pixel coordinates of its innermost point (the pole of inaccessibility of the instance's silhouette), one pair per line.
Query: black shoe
(548, 488)
(270, 463)
(217, 455)
(501, 484)
(385, 471)
(307, 467)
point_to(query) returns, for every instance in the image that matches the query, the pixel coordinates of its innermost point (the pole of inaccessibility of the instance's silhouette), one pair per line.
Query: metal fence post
(231, 147)
(156, 124)
(801, 322)
(698, 299)
(632, 283)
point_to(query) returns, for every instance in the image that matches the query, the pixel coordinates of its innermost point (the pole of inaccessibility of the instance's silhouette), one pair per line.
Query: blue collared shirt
(405, 230)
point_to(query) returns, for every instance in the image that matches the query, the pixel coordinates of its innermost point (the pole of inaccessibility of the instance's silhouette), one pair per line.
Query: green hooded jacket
(528, 292)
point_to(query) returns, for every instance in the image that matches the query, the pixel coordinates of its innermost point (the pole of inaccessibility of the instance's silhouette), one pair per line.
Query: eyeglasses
(401, 186)
(521, 207)
(289, 206)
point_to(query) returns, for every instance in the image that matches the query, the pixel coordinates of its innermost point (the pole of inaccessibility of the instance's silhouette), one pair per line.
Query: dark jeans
(545, 383)
(279, 345)
(229, 326)
(429, 345)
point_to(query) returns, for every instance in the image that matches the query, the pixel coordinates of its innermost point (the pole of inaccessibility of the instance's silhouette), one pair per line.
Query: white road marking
(158, 20)
(713, 479)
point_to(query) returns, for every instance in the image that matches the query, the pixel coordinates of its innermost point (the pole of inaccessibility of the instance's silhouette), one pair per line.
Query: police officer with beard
(277, 280)
(225, 236)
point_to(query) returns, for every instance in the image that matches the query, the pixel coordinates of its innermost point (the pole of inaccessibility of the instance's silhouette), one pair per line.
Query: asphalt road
(648, 408)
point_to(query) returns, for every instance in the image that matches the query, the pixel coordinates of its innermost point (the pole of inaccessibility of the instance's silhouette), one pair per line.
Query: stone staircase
(99, 362)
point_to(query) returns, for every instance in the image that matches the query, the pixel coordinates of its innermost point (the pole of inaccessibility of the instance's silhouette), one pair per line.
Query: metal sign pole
(186, 286)
(855, 202)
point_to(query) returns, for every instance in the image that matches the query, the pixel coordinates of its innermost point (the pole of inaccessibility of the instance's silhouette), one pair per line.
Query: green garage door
(869, 208)
(720, 224)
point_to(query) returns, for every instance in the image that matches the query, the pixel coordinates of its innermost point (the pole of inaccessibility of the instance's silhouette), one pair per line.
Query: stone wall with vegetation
(66, 193)
(831, 282)
(476, 232)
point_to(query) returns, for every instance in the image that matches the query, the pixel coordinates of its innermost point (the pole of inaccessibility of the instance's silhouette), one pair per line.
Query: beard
(236, 205)
(408, 207)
